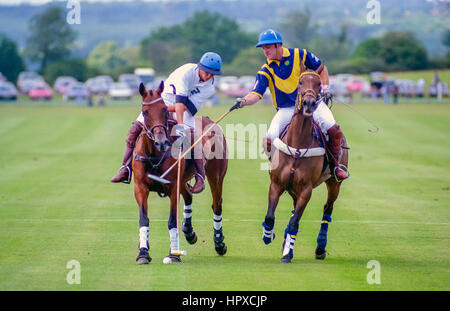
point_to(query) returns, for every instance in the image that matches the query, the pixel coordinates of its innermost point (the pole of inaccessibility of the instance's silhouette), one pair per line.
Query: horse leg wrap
(187, 229)
(322, 237)
(174, 239)
(143, 237)
(187, 219)
(268, 235)
(289, 241)
(218, 222)
(219, 245)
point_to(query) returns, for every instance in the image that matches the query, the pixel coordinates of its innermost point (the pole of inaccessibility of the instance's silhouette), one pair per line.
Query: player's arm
(323, 72)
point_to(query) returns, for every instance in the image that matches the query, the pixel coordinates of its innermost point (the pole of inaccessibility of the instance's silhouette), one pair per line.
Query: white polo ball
(167, 261)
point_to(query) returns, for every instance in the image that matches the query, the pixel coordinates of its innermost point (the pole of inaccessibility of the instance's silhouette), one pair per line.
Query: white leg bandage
(217, 221)
(143, 237)
(187, 211)
(289, 244)
(174, 242)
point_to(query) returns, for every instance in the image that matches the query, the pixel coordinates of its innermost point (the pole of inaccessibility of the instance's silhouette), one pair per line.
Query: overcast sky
(46, 1)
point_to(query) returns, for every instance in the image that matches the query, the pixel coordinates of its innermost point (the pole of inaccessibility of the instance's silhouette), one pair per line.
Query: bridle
(309, 91)
(165, 127)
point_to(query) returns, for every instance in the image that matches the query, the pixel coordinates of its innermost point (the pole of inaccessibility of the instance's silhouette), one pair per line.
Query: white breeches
(279, 122)
(322, 116)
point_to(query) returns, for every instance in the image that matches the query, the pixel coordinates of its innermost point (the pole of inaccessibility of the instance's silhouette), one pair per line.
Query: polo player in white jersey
(187, 89)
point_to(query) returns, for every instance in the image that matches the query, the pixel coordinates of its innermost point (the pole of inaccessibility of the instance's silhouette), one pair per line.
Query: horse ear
(160, 87)
(142, 89)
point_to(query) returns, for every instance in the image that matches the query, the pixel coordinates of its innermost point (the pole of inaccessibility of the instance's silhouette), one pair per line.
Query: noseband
(149, 132)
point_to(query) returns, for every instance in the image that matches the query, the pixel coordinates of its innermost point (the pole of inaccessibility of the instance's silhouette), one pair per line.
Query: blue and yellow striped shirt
(282, 76)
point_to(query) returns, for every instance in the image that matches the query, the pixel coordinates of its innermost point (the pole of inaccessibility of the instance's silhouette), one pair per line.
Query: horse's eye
(145, 113)
(300, 83)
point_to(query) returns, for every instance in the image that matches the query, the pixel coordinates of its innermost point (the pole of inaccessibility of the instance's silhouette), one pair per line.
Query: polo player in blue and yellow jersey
(280, 73)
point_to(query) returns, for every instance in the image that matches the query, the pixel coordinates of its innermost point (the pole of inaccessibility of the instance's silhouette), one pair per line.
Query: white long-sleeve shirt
(184, 85)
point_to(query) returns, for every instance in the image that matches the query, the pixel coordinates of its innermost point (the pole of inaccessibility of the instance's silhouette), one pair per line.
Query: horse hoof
(142, 261)
(143, 258)
(221, 249)
(191, 238)
(286, 259)
(320, 253)
(267, 240)
(171, 259)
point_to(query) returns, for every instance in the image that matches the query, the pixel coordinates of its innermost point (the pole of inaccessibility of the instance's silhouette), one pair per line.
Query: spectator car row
(345, 85)
(34, 86)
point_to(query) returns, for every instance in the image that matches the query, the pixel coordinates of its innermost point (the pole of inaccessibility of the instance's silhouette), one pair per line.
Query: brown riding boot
(125, 172)
(267, 147)
(335, 138)
(199, 176)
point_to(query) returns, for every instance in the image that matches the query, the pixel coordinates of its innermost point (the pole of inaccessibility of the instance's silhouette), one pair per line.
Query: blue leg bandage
(322, 237)
(268, 234)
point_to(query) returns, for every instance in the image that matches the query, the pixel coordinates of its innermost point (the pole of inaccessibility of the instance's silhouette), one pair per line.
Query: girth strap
(155, 162)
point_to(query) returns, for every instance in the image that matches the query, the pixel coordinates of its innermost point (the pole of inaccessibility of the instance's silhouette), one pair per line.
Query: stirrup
(344, 168)
(128, 180)
(203, 180)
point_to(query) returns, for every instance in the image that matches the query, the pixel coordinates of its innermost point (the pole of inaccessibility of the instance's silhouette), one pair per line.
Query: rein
(149, 132)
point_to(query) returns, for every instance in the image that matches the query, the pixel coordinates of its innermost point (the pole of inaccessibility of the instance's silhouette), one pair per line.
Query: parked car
(242, 87)
(338, 87)
(132, 80)
(27, 80)
(120, 90)
(358, 84)
(104, 78)
(247, 81)
(227, 82)
(97, 86)
(40, 91)
(7, 90)
(377, 76)
(76, 90)
(62, 84)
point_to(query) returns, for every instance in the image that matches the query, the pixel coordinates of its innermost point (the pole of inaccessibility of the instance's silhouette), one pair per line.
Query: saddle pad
(303, 153)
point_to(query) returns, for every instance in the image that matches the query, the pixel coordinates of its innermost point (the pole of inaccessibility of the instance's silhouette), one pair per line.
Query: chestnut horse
(300, 169)
(153, 154)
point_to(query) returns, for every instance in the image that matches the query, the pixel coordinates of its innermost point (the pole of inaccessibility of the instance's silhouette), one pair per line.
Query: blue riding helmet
(211, 63)
(269, 36)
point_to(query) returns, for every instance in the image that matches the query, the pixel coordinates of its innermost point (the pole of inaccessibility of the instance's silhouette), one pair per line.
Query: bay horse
(300, 168)
(153, 154)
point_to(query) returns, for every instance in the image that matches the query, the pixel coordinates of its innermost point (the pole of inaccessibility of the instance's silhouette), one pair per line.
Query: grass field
(57, 204)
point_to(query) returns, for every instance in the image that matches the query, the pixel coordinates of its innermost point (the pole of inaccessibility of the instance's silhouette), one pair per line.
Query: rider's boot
(335, 138)
(125, 171)
(267, 147)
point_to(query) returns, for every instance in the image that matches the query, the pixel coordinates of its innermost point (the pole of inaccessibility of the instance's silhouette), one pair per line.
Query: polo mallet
(178, 252)
(161, 178)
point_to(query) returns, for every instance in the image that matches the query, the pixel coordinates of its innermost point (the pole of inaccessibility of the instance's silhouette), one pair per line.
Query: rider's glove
(239, 103)
(326, 94)
(180, 130)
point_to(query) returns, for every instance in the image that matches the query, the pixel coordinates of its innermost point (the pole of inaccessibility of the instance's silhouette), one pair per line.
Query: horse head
(156, 116)
(309, 87)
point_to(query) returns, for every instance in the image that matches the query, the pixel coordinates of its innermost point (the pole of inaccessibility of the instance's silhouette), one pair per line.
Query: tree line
(51, 41)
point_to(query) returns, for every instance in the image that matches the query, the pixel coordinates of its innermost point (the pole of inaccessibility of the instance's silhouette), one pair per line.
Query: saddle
(318, 134)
